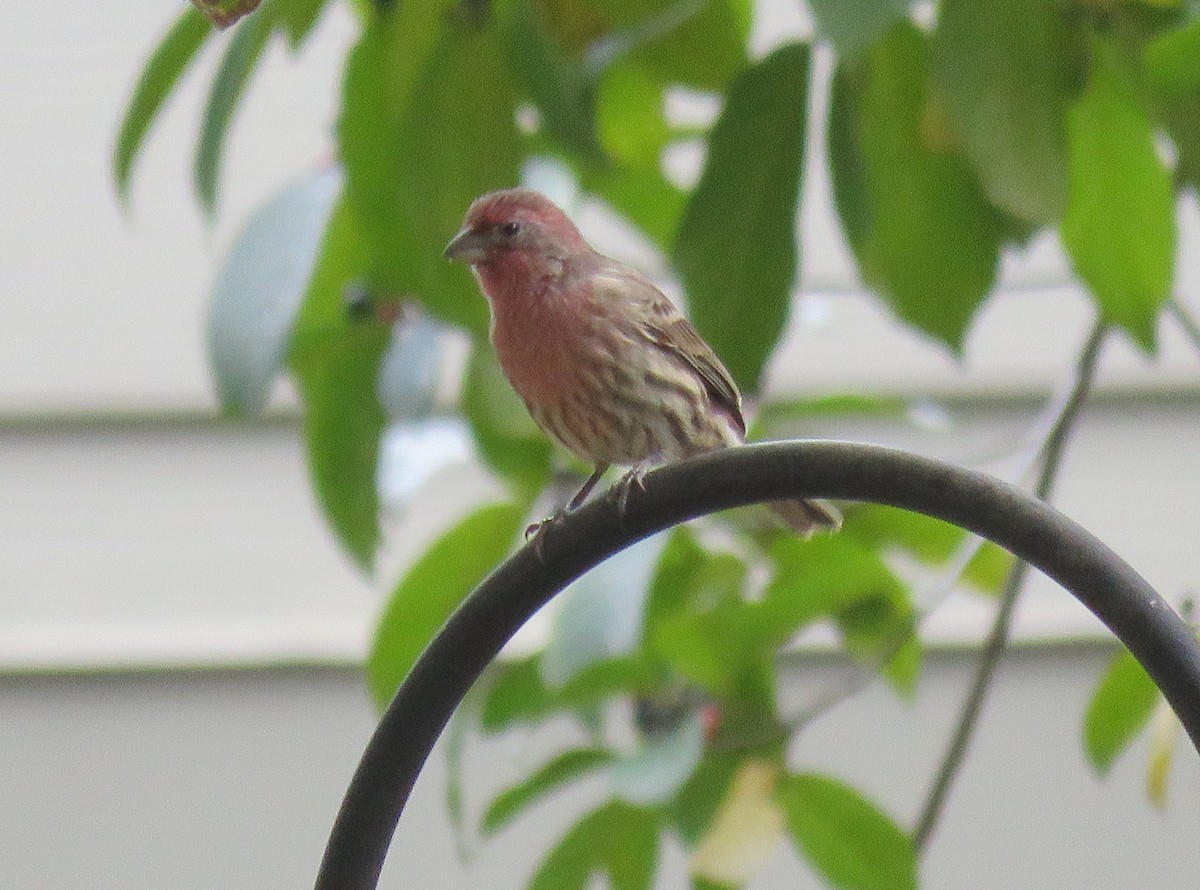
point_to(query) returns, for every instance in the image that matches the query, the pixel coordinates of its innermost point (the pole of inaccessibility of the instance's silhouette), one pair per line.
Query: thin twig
(997, 641)
(1038, 439)
(1190, 326)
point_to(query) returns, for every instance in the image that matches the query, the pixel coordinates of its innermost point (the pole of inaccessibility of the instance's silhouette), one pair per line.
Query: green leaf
(432, 589)
(851, 842)
(930, 540)
(1005, 72)
(1120, 709)
(505, 434)
(553, 80)
(1119, 227)
(259, 289)
(631, 120)
(882, 627)
(781, 418)
(1171, 65)
(229, 83)
(297, 18)
(914, 216)
(421, 140)
(519, 693)
(736, 250)
(851, 27)
(563, 769)
(1173, 60)
(644, 197)
(699, 44)
(816, 578)
(617, 840)
(699, 798)
(158, 79)
(336, 362)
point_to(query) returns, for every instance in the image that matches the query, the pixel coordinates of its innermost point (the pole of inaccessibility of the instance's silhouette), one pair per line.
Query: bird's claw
(536, 531)
(635, 478)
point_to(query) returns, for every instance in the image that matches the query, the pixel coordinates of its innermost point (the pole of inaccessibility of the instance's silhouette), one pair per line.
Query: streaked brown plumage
(605, 363)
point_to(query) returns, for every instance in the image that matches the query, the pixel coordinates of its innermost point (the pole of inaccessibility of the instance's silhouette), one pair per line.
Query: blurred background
(181, 703)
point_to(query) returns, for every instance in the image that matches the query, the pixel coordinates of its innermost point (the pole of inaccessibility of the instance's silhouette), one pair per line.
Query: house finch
(605, 363)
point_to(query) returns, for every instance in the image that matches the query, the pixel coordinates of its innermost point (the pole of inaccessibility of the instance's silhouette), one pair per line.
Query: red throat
(532, 322)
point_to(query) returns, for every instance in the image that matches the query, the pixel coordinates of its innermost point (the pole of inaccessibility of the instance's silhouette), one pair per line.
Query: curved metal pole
(1023, 525)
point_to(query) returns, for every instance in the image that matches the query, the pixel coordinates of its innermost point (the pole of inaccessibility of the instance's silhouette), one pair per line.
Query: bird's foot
(536, 532)
(635, 478)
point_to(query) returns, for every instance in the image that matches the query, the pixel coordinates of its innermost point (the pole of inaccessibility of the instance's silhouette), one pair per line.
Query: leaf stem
(997, 640)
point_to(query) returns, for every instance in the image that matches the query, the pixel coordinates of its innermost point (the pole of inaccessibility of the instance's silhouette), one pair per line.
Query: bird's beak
(467, 247)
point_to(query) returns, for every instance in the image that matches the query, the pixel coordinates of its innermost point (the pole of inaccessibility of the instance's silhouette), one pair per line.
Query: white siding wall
(138, 531)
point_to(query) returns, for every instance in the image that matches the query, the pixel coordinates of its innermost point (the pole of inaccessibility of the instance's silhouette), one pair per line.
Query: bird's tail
(806, 517)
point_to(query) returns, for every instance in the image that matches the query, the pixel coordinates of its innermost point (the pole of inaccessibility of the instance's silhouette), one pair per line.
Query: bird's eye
(510, 229)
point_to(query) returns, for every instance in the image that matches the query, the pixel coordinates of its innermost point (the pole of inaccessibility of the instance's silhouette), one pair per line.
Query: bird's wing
(665, 327)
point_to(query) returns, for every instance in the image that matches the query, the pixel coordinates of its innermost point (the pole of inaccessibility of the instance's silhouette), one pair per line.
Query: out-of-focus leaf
(708, 640)
(224, 13)
(1172, 60)
(693, 42)
(520, 695)
(1005, 73)
(516, 694)
(618, 840)
(554, 80)
(600, 615)
(507, 437)
(645, 197)
(433, 588)
(1119, 228)
(259, 289)
(736, 250)
(851, 27)
(630, 116)
(408, 376)
(1164, 732)
(297, 18)
(777, 419)
(850, 841)
(817, 578)
(662, 766)
(698, 623)
(336, 363)
(1172, 68)
(165, 66)
(420, 140)
(563, 769)
(881, 628)
(1120, 709)
(914, 216)
(746, 829)
(229, 83)
(930, 540)
(696, 804)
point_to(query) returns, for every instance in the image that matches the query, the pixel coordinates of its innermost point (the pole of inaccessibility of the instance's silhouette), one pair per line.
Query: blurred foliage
(946, 143)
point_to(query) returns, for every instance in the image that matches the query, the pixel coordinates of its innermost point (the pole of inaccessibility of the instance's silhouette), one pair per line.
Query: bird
(604, 361)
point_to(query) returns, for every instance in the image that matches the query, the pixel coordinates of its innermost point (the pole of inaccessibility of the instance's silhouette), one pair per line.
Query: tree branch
(735, 477)
(997, 640)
